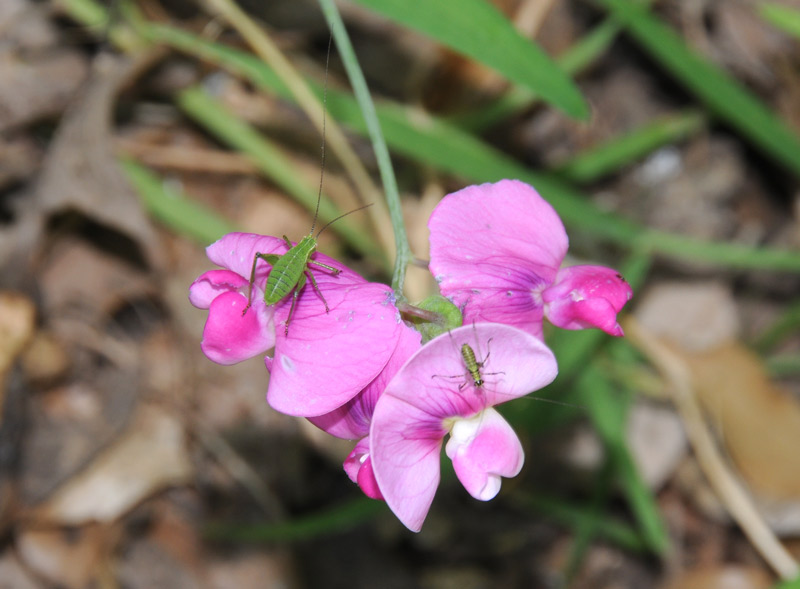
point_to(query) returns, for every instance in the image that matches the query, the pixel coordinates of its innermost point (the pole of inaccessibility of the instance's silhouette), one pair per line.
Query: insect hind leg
(269, 259)
(299, 287)
(316, 287)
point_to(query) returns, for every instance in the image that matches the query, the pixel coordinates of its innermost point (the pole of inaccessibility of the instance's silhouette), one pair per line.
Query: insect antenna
(555, 402)
(328, 224)
(322, 147)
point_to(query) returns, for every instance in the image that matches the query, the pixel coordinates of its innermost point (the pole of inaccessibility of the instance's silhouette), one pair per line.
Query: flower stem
(367, 107)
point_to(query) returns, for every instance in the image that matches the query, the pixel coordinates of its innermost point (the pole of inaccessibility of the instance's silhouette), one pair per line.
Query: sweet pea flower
(327, 357)
(352, 420)
(496, 250)
(432, 395)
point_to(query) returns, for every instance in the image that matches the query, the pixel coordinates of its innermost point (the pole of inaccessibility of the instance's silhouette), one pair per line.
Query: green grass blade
(608, 414)
(790, 584)
(269, 159)
(575, 59)
(785, 18)
(445, 147)
(333, 521)
(575, 515)
(622, 151)
(476, 29)
(786, 324)
(723, 95)
(173, 209)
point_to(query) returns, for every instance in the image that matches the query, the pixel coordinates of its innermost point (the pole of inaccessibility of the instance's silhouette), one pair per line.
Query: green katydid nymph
(290, 271)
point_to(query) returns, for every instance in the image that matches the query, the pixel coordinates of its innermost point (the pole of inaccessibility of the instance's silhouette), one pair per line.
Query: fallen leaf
(66, 558)
(150, 456)
(17, 316)
(758, 420)
(723, 577)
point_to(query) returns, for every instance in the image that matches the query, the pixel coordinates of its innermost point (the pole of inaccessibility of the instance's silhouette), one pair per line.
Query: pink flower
(327, 357)
(433, 395)
(352, 420)
(496, 250)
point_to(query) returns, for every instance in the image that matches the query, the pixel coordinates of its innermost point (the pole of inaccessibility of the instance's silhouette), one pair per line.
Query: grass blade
(785, 18)
(723, 95)
(621, 151)
(336, 520)
(445, 147)
(478, 30)
(608, 414)
(173, 209)
(270, 160)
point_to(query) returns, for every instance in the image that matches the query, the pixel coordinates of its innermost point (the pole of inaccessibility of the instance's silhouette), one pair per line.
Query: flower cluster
(348, 362)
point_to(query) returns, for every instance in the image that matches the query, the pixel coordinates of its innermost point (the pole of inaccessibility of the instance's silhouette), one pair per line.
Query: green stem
(367, 107)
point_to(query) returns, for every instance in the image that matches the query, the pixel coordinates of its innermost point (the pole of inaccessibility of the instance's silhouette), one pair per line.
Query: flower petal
(587, 296)
(230, 337)
(494, 247)
(483, 449)
(436, 378)
(351, 421)
(328, 357)
(236, 251)
(358, 467)
(213, 283)
(433, 387)
(405, 444)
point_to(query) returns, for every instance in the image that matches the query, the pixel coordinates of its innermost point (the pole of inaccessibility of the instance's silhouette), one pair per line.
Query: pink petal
(435, 379)
(494, 248)
(587, 296)
(213, 283)
(351, 421)
(328, 357)
(358, 467)
(230, 337)
(405, 458)
(434, 387)
(236, 251)
(483, 449)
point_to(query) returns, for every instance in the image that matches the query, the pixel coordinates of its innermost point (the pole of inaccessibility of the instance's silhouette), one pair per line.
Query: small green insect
(474, 367)
(290, 272)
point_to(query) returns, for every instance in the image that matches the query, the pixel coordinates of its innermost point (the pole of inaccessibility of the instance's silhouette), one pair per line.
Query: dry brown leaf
(150, 456)
(40, 87)
(13, 575)
(81, 281)
(758, 421)
(66, 558)
(268, 570)
(45, 360)
(724, 577)
(87, 178)
(17, 316)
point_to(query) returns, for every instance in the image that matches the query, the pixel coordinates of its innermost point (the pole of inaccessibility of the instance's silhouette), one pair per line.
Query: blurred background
(133, 134)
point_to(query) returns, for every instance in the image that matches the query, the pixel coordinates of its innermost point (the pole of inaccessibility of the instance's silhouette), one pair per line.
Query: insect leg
(269, 259)
(316, 288)
(300, 284)
(330, 269)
